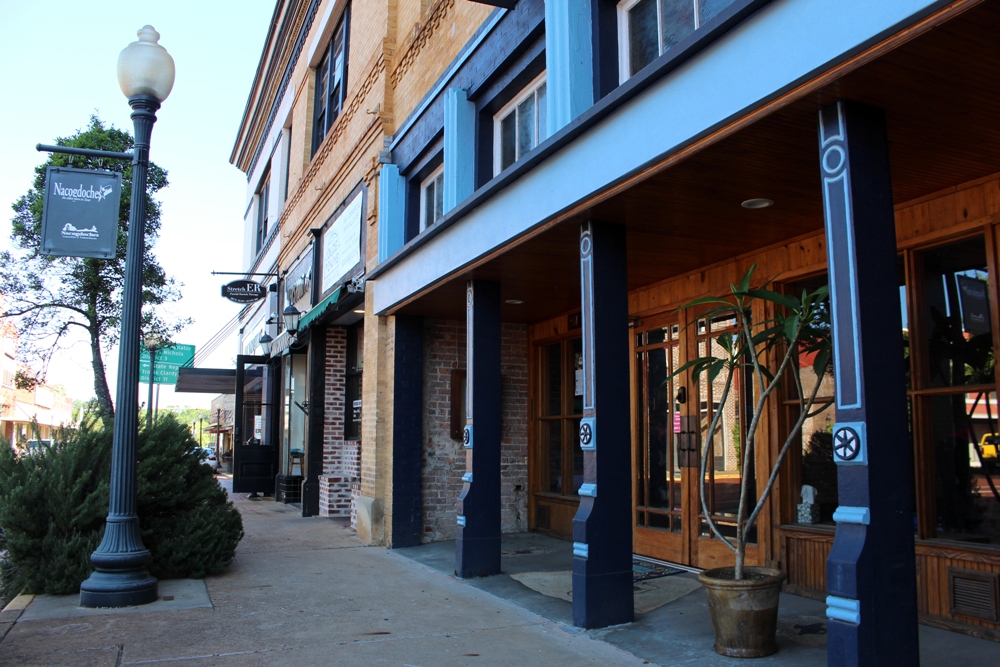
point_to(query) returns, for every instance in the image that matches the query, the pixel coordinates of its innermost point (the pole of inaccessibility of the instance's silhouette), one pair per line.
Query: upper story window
(519, 126)
(331, 81)
(262, 208)
(432, 198)
(649, 28)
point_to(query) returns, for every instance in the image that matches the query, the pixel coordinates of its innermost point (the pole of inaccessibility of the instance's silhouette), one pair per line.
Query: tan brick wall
(427, 48)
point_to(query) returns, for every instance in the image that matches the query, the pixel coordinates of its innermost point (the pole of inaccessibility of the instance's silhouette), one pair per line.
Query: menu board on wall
(342, 243)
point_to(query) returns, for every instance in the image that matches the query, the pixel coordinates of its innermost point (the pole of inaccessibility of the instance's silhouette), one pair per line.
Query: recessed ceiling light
(515, 302)
(757, 202)
(360, 311)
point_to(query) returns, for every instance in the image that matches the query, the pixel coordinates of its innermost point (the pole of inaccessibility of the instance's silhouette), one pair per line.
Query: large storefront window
(954, 393)
(295, 407)
(558, 458)
(352, 382)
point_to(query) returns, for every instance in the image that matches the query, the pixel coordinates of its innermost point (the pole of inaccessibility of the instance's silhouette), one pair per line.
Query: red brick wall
(341, 458)
(444, 458)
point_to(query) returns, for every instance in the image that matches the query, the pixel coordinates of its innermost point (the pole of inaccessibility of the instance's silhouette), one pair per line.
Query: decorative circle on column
(834, 159)
(466, 436)
(586, 245)
(468, 297)
(586, 434)
(846, 443)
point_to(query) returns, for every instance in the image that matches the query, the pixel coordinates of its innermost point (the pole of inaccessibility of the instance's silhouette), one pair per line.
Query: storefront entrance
(672, 417)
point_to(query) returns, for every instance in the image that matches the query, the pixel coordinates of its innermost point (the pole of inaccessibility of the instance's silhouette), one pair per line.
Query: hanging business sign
(243, 291)
(80, 213)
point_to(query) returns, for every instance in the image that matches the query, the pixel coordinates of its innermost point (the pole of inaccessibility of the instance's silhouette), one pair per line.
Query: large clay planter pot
(744, 612)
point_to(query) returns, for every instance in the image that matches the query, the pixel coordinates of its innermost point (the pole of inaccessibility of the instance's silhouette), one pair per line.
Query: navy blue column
(407, 432)
(602, 527)
(871, 571)
(477, 544)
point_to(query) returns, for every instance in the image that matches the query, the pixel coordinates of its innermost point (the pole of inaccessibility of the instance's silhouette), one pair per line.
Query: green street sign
(168, 361)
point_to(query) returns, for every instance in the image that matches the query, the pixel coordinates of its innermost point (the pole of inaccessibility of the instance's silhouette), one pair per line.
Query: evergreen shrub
(53, 505)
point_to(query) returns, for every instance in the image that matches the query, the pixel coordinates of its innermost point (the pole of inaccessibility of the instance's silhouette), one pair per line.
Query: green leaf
(744, 285)
(707, 299)
(789, 302)
(714, 370)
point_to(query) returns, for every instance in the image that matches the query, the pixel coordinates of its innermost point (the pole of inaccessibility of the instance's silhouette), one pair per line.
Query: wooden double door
(671, 418)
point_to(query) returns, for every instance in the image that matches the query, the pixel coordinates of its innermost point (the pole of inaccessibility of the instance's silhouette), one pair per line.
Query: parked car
(207, 457)
(33, 446)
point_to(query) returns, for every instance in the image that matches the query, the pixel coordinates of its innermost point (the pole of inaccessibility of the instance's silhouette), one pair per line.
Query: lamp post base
(118, 589)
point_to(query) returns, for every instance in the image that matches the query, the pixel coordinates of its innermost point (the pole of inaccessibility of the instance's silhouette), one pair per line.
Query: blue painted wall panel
(569, 61)
(459, 147)
(391, 206)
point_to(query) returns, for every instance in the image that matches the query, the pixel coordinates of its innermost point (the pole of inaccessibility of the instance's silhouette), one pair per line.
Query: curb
(12, 612)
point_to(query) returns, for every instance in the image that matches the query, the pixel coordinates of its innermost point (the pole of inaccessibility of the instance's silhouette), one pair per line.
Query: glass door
(661, 459)
(672, 420)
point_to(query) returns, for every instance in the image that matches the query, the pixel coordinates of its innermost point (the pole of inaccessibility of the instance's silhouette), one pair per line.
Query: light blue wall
(781, 44)
(459, 147)
(569, 61)
(391, 210)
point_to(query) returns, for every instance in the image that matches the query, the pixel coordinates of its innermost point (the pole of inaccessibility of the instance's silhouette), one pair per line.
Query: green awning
(320, 310)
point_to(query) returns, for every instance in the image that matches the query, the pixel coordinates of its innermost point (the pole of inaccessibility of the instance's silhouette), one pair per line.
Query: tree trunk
(101, 390)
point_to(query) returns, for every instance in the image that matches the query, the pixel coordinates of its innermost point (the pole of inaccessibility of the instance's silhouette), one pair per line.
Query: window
(650, 28)
(519, 126)
(432, 198)
(352, 381)
(262, 206)
(331, 76)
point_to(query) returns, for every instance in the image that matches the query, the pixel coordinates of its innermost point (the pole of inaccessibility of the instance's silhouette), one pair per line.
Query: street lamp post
(146, 75)
(152, 344)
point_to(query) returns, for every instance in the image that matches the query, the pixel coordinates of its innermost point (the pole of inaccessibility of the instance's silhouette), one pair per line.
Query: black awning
(210, 380)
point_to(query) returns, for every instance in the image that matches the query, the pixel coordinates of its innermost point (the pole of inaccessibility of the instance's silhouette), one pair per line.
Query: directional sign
(168, 361)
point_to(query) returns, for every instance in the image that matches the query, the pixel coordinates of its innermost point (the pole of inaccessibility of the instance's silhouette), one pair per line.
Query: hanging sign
(243, 291)
(80, 213)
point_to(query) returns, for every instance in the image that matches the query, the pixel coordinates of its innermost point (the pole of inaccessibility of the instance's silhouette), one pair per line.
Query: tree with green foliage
(52, 511)
(51, 296)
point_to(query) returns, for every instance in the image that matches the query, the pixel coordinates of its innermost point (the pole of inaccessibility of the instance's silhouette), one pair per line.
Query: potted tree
(743, 600)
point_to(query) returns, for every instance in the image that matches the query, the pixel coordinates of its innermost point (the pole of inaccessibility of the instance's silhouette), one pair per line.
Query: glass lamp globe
(291, 315)
(145, 67)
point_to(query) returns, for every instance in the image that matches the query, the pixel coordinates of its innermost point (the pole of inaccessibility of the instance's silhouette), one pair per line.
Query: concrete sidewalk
(304, 592)
(307, 592)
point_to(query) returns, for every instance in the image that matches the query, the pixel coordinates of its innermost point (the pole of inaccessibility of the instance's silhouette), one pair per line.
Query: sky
(58, 67)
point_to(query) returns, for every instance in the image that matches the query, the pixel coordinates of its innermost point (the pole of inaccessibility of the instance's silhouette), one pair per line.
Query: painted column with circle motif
(602, 527)
(477, 540)
(870, 572)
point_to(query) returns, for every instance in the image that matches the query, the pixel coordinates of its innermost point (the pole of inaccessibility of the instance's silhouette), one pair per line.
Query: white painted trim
(623, 50)
(525, 93)
(423, 196)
